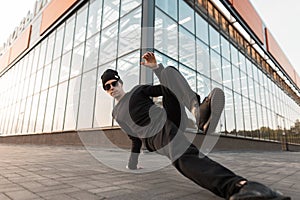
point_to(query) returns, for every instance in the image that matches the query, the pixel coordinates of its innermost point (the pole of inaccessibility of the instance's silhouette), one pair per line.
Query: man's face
(113, 88)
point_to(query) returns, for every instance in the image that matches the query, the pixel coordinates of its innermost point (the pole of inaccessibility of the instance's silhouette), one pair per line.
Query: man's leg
(207, 113)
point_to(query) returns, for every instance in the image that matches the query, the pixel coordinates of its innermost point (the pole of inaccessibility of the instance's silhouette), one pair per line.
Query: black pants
(171, 142)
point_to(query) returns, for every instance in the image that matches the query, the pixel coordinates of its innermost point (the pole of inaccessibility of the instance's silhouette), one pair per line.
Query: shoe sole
(217, 105)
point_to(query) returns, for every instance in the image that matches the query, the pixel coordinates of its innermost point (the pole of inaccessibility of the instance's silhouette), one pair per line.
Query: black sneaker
(257, 191)
(210, 111)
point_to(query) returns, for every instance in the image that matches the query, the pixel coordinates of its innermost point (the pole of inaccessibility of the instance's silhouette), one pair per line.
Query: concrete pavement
(69, 172)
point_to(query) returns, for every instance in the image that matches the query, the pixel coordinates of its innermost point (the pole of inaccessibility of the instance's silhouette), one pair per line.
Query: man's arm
(150, 62)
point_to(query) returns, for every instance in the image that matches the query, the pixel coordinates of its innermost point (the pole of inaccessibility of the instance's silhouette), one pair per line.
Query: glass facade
(55, 87)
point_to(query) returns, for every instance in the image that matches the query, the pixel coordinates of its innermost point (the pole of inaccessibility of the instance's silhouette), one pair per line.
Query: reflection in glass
(216, 72)
(50, 109)
(247, 117)
(128, 5)
(165, 35)
(72, 103)
(201, 29)
(226, 69)
(244, 84)
(202, 58)
(65, 67)
(104, 102)
(59, 113)
(69, 34)
(234, 56)
(236, 79)
(189, 75)
(187, 48)
(128, 68)
(41, 112)
(94, 18)
(50, 48)
(229, 112)
(86, 101)
(38, 81)
(203, 86)
(110, 12)
(239, 114)
(54, 72)
(33, 113)
(130, 32)
(80, 28)
(169, 7)
(225, 48)
(186, 16)
(77, 60)
(58, 42)
(108, 46)
(91, 53)
(214, 38)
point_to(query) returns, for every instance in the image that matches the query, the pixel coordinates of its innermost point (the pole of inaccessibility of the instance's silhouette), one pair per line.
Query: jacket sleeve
(158, 71)
(136, 145)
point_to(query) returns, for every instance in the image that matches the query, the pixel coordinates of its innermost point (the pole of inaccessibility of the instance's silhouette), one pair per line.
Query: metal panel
(54, 10)
(250, 16)
(4, 60)
(275, 50)
(20, 45)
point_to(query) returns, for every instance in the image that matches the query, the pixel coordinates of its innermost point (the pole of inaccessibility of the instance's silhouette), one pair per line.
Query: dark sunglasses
(108, 86)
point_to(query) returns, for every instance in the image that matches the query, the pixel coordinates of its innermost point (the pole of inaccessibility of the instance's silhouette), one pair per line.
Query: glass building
(52, 83)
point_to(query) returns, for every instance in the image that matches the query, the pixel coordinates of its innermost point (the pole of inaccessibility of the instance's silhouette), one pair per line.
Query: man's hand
(150, 60)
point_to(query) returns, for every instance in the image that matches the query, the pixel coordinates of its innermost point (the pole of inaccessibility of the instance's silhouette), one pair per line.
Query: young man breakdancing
(161, 129)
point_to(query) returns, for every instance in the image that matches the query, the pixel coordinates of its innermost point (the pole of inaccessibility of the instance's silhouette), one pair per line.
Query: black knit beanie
(109, 74)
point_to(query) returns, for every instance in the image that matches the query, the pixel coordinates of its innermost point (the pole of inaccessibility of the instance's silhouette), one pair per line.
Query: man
(161, 129)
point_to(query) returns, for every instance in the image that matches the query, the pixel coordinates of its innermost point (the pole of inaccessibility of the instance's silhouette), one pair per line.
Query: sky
(281, 18)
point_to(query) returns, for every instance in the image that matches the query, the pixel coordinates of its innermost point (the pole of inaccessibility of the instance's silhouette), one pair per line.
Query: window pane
(187, 48)
(33, 113)
(69, 34)
(91, 53)
(60, 107)
(50, 48)
(130, 34)
(80, 29)
(189, 75)
(229, 111)
(58, 41)
(108, 46)
(86, 106)
(128, 68)
(128, 5)
(201, 29)
(38, 81)
(46, 77)
(247, 116)
(225, 48)
(165, 35)
(65, 67)
(169, 7)
(72, 103)
(216, 72)
(186, 16)
(104, 102)
(41, 112)
(55, 72)
(203, 86)
(203, 58)
(238, 113)
(226, 68)
(50, 109)
(94, 18)
(77, 60)
(244, 83)
(236, 79)
(214, 37)
(110, 12)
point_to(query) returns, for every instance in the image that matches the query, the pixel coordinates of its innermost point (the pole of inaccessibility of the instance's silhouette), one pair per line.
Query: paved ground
(65, 173)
